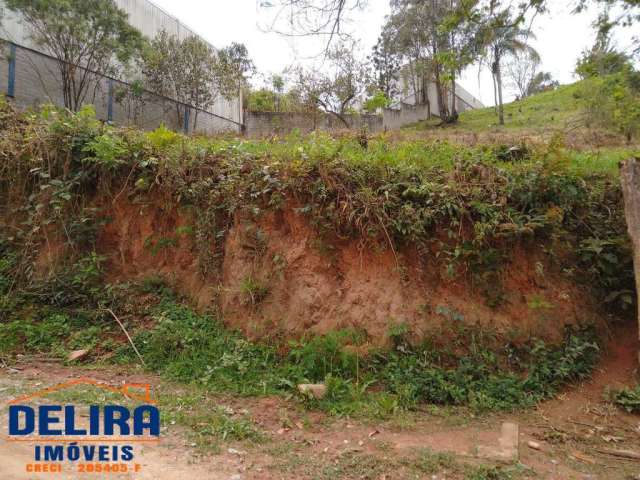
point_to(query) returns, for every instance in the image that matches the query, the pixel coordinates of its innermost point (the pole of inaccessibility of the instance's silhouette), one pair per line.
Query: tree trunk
(499, 82)
(443, 107)
(340, 116)
(454, 108)
(495, 93)
(630, 181)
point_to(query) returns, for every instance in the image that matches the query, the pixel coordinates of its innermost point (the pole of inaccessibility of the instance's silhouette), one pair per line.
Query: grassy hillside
(557, 109)
(551, 117)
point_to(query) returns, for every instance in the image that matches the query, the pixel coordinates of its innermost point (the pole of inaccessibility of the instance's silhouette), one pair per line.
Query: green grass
(553, 110)
(198, 349)
(207, 422)
(604, 161)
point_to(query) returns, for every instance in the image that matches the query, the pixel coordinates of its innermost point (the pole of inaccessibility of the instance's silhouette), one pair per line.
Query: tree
(183, 70)
(337, 85)
(386, 62)
(89, 39)
(521, 69)
(602, 59)
(459, 49)
(435, 43)
(263, 100)
(500, 35)
(376, 102)
(235, 67)
(413, 29)
(297, 18)
(541, 82)
(613, 101)
(192, 73)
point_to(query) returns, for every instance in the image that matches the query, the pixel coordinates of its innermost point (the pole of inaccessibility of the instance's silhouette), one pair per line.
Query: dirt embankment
(277, 276)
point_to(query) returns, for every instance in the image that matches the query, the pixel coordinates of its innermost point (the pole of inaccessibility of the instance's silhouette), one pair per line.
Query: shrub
(629, 399)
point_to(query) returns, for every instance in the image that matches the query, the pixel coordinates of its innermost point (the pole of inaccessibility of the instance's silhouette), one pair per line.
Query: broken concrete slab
(507, 448)
(77, 355)
(317, 391)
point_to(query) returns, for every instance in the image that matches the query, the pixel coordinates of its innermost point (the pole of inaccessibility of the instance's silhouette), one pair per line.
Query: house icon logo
(93, 439)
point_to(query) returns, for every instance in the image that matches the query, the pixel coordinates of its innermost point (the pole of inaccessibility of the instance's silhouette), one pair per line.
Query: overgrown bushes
(463, 206)
(467, 206)
(195, 348)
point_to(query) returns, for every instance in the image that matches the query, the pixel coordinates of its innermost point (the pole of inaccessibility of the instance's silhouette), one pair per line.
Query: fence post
(630, 182)
(187, 111)
(110, 102)
(11, 84)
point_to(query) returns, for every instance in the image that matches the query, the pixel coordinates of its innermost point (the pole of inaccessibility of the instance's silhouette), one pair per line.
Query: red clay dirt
(315, 285)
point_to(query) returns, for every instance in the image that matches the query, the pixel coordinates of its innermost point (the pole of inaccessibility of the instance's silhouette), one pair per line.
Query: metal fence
(31, 78)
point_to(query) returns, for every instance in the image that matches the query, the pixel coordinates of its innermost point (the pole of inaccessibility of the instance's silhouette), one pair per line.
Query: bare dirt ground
(575, 433)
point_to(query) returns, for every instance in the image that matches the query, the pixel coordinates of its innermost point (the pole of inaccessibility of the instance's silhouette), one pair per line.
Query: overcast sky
(561, 36)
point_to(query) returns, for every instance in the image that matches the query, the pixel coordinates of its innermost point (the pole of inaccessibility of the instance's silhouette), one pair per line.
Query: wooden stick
(127, 334)
(630, 454)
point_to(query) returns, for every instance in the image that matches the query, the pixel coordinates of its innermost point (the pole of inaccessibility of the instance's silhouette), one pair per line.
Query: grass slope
(556, 109)
(553, 110)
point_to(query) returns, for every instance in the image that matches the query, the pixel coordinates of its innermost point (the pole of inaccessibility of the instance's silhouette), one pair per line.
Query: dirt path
(572, 432)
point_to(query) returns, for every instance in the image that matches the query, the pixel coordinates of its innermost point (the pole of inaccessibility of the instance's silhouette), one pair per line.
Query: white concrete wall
(464, 100)
(143, 15)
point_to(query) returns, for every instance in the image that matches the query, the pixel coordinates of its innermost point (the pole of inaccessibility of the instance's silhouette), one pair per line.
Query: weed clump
(197, 348)
(628, 398)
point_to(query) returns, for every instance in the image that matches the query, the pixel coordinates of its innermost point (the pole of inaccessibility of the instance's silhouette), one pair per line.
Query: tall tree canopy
(338, 84)
(89, 38)
(433, 42)
(191, 72)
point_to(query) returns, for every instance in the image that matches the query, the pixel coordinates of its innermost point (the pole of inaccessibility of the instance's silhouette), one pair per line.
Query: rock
(233, 451)
(77, 355)
(534, 445)
(317, 391)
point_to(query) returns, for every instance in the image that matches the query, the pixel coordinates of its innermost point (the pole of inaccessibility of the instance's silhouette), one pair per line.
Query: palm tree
(504, 36)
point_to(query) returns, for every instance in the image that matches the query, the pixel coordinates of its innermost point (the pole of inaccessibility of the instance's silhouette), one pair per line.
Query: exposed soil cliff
(279, 277)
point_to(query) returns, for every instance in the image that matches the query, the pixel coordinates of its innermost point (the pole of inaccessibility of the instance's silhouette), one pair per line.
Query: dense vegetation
(478, 202)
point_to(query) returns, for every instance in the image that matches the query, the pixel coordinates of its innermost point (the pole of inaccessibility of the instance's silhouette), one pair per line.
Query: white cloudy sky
(561, 36)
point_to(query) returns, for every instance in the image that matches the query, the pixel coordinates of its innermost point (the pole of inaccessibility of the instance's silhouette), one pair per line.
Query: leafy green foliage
(376, 102)
(416, 375)
(629, 399)
(190, 347)
(93, 33)
(467, 205)
(614, 101)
